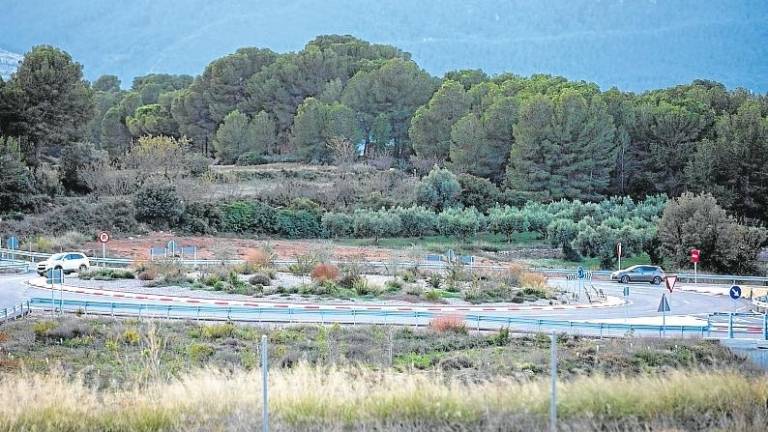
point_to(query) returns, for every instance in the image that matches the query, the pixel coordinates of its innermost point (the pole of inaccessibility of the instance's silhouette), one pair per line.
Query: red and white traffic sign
(695, 255)
(670, 281)
(104, 237)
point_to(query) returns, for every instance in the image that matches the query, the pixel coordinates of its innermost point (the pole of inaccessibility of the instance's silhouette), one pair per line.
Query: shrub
(41, 328)
(252, 158)
(325, 272)
(414, 290)
(434, 280)
(416, 221)
(460, 223)
(376, 224)
(131, 336)
(362, 287)
(303, 265)
(257, 260)
(393, 285)
(201, 218)
(440, 189)
(260, 279)
(533, 280)
(106, 274)
(298, 224)
(199, 352)
(338, 224)
(433, 295)
(158, 205)
(507, 221)
(247, 216)
(218, 331)
(448, 324)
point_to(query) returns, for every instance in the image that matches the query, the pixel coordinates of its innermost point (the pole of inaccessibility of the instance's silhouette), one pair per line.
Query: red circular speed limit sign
(104, 237)
(695, 255)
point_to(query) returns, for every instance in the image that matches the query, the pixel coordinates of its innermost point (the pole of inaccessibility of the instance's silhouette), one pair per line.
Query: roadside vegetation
(93, 374)
(296, 146)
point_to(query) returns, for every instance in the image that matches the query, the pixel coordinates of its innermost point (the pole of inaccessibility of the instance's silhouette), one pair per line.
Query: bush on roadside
(325, 272)
(260, 279)
(298, 224)
(448, 324)
(338, 225)
(158, 205)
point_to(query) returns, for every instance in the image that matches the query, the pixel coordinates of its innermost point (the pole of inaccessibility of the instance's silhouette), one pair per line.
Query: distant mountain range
(632, 44)
(8, 63)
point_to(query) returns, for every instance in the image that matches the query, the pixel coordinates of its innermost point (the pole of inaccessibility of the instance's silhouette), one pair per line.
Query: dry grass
(448, 323)
(325, 272)
(306, 398)
(533, 280)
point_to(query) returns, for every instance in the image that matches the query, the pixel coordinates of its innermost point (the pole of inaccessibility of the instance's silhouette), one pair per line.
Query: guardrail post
(709, 325)
(229, 313)
(765, 325)
(198, 314)
(322, 317)
(86, 308)
(168, 313)
(478, 322)
(140, 306)
(730, 325)
(354, 317)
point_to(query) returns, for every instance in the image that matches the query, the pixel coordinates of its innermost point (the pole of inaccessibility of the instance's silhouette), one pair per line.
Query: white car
(68, 261)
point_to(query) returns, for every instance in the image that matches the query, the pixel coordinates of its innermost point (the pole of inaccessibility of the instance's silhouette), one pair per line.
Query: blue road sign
(580, 272)
(433, 257)
(663, 304)
(735, 292)
(54, 276)
(13, 242)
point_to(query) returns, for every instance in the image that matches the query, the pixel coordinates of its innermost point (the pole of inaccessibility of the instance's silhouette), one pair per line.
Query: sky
(631, 44)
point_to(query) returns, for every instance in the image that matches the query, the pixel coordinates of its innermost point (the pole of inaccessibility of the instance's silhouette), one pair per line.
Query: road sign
(618, 249)
(695, 255)
(104, 237)
(670, 280)
(13, 242)
(735, 292)
(663, 304)
(54, 276)
(580, 272)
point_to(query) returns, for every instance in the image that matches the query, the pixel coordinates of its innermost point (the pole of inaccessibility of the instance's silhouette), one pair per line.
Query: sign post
(264, 384)
(626, 303)
(663, 308)
(695, 257)
(618, 253)
(581, 274)
(104, 239)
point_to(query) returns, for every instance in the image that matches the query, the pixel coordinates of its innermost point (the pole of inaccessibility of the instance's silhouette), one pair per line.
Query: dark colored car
(640, 273)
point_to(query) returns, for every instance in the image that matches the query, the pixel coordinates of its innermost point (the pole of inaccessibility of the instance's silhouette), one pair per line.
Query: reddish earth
(232, 247)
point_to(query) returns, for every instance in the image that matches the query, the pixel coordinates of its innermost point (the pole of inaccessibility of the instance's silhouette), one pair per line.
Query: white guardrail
(701, 277)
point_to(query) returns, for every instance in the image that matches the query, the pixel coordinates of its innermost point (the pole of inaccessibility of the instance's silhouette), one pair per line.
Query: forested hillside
(340, 100)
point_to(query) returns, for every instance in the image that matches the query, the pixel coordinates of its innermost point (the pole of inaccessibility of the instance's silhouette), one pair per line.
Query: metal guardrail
(14, 265)
(355, 316)
(15, 312)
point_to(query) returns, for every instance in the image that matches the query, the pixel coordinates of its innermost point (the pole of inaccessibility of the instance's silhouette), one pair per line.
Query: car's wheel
(82, 268)
(656, 281)
(624, 279)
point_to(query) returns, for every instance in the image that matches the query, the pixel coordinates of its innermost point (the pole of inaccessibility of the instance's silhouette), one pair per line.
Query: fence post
(709, 325)
(765, 325)
(478, 322)
(553, 399)
(354, 317)
(730, 325)
(264, 384)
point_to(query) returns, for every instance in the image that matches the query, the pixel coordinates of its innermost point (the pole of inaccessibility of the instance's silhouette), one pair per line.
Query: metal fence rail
(359, 316)
(15, 312)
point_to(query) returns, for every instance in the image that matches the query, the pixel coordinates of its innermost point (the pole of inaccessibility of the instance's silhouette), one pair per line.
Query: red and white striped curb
(41, 284)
